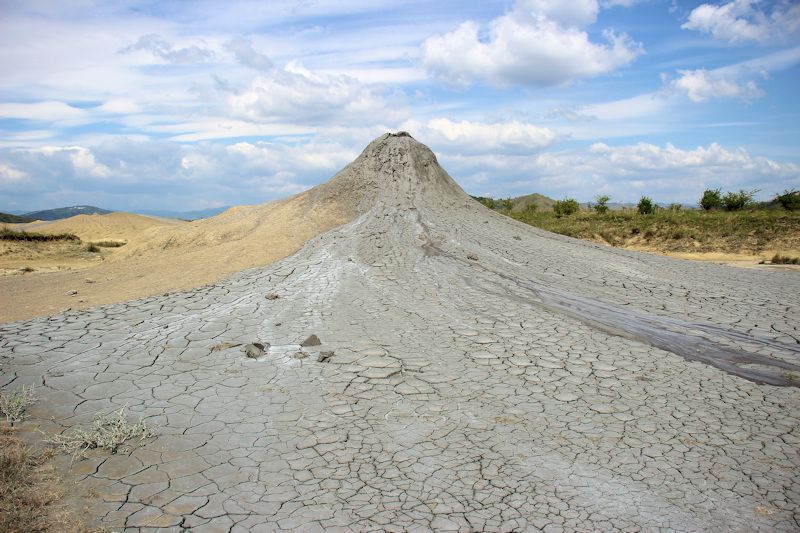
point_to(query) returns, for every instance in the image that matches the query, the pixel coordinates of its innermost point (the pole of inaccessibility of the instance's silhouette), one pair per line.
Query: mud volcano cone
(471, 374)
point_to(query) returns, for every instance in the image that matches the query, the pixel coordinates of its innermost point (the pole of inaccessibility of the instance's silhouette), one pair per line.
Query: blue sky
(190, 105)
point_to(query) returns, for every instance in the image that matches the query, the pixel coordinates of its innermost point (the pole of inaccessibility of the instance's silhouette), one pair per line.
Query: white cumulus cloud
(701, 85)
(300, 96)
(666, 173)
(742, 21)
(539, 42)
(482, 137)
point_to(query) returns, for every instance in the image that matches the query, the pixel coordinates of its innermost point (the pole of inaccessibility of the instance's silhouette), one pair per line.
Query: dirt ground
(760, 261)
(161, 255)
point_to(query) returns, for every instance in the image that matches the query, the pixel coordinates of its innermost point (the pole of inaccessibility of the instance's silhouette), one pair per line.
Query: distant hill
(543, 203)
(14, 219)
(183, 215)
(518, 203)
(66, 212)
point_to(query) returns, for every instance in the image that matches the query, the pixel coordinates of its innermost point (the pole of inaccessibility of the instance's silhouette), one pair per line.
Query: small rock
(324, 357)
(472, 257)
(313, 340)
(517, 238)
(72, 293)
(89, 280)
(300, 355)
(271, 296)
(255, 349)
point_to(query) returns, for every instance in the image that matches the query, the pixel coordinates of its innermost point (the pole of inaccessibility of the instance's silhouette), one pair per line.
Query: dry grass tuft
(107, 432)
(779, 259)
(31, 490)
(8, 234)
(13, 403)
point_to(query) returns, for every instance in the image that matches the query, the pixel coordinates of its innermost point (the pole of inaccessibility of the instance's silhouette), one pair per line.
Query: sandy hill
(117, 226)
(164, 254)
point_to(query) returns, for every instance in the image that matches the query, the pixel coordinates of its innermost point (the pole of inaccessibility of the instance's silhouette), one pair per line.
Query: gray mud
(474, 374)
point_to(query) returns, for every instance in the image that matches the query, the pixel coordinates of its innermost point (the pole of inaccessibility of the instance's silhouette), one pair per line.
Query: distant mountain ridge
(66, 212)
(8, 218)
(60, 213)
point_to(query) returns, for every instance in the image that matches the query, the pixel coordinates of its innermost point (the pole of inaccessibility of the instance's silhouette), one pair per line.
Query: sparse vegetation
(735, 201)
(13, 403)
(109, 244)
(790, 199)
(107, 432)
(689, 230)
(566, 207)
(711, 199)
(31, 490)
(601, 204)
(8, 234)
(779, 259)
(92, 247)
(646, 206)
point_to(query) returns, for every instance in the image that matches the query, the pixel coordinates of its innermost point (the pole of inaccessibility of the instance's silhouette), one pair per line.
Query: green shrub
(646, 206)
(790, 199)
(531, 208)
(734, 201)
(602, 204)
(566, 207)
(712, 199)
(488, 202)
(675, 207)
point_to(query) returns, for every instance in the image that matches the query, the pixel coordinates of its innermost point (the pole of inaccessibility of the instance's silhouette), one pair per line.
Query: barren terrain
(474, 373)
(161, 255)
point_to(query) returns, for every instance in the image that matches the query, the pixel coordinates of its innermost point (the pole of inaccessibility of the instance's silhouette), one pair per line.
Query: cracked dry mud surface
(485, 376)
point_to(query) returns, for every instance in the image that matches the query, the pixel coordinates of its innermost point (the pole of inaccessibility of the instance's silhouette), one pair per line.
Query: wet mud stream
(692, 341)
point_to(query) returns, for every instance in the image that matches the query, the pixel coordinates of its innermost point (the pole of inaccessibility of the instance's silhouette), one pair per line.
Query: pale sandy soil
(113, 226)
(760, 261)
(55, 256)
(163, 256)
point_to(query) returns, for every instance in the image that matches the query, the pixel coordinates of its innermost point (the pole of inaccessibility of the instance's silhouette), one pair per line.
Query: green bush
(734, 201)
(712, 199)
(790, 199)
(602, 204)
(566, 207)
(675, 207)
(646, 206)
